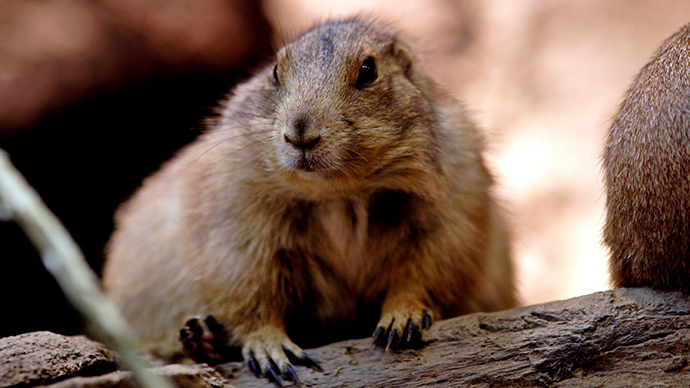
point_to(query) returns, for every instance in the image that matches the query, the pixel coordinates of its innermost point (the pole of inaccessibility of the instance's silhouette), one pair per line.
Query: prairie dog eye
(367, 73)
(276, 82)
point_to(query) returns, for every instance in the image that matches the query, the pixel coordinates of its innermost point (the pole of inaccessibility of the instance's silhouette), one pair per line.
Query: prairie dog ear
(409, 64)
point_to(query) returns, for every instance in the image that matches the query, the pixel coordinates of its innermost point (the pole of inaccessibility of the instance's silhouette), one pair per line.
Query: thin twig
(62, 257)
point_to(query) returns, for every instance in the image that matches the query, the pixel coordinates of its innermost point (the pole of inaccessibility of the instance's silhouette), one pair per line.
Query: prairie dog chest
(344, 225)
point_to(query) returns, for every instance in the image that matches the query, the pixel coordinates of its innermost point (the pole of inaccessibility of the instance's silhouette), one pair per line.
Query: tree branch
(63, 259)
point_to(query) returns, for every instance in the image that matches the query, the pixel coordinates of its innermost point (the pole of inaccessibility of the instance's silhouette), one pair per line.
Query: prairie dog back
(647, 172)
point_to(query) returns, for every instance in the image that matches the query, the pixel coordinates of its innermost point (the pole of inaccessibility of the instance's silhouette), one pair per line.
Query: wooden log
(618, 338)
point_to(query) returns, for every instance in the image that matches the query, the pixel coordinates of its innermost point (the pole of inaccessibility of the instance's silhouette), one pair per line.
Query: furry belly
(344, 293)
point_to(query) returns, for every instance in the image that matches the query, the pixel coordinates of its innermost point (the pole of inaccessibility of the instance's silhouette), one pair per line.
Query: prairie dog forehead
(334, 45)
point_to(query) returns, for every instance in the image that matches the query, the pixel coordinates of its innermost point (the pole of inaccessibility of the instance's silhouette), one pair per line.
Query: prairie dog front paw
(270, 353)
(205, 340)
(401, 325)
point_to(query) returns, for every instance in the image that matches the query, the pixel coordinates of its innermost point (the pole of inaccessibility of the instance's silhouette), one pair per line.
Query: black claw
(185, 334)
(290, 374)
(378, 335)
(310, 362)
(254, 365)
(212, 324)
(427, 320)
(414, 334)
(406, 330)
(191, 321)
(303, 360)
(272, 374)
(393, 340)
(194, 326)
(290, 355)
(383, 335)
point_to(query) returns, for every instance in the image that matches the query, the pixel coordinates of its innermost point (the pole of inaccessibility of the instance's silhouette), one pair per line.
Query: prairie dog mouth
(307, 164)
(305, 154)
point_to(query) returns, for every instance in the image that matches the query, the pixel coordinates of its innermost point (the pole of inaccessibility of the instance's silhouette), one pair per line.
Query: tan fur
(396, 217)
(647, 172)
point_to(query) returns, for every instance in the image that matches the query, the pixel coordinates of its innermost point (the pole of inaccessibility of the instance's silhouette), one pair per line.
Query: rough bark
(619, 338)
(181, 376)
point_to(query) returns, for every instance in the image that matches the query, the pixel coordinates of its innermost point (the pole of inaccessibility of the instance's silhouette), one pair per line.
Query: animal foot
(402, 328)
(205, 341)
(270, 353)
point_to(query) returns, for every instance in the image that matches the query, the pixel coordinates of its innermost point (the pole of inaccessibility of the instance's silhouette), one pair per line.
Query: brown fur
(647, 173)
(389, 214)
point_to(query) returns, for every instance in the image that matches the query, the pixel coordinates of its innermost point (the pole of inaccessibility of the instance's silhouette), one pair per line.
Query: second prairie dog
(338, 188)
(647, 172)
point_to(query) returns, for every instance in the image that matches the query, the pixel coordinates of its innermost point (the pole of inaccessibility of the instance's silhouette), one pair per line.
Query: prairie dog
(338, 186)
(647, 174)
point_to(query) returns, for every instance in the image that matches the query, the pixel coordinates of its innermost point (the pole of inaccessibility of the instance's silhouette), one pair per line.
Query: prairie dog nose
(301, 135)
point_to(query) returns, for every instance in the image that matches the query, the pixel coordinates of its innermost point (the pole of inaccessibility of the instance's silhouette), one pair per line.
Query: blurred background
(94, 95)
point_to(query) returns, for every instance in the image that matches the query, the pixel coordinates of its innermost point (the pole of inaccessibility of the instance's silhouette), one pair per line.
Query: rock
(43, 357)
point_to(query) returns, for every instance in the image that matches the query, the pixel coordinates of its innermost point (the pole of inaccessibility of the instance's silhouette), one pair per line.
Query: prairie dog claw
(270, 353)
(401, 329)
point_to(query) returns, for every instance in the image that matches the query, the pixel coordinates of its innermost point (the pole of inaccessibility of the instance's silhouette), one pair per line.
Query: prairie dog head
(347, 105)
